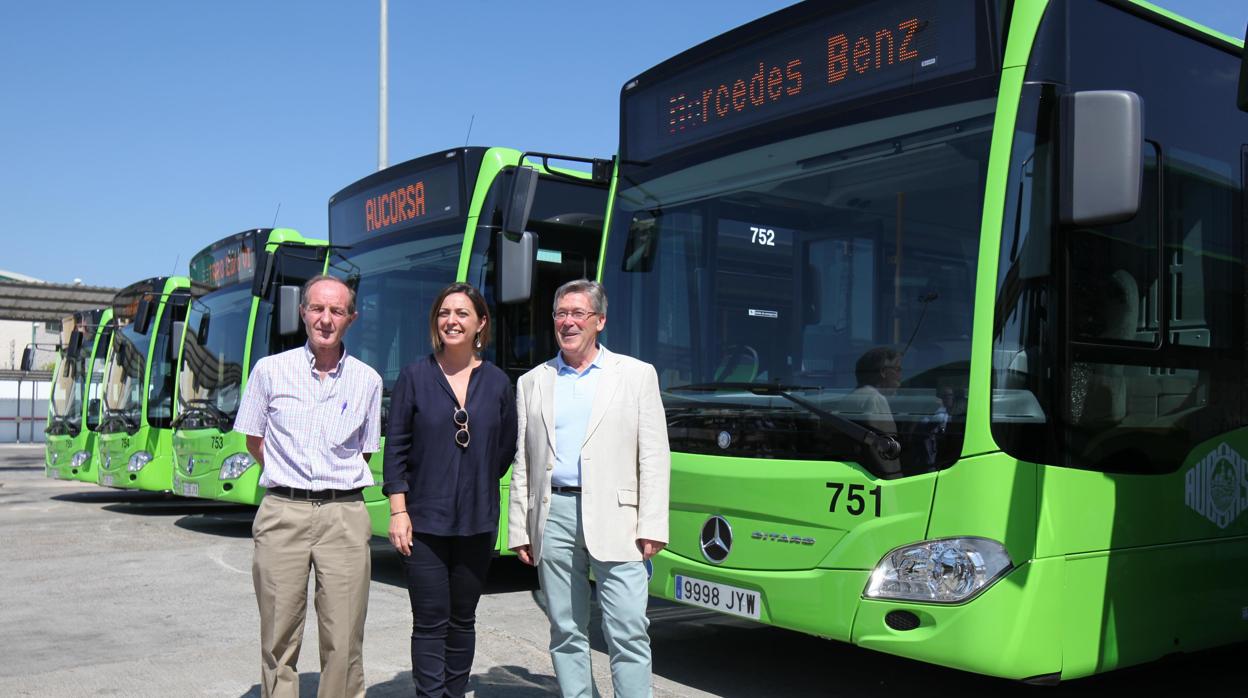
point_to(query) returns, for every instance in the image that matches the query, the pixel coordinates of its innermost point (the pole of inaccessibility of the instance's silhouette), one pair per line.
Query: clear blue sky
(159, 127)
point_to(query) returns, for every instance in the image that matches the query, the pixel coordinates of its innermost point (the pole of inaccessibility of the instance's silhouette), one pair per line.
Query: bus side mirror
(519, 204)
(28, 358)
(1243, 76)
(74, 348)
(178, 327)
(264, 273)
(143, 315)
(93, 414)
(1102, 136)
(288, 320)
(516, 259)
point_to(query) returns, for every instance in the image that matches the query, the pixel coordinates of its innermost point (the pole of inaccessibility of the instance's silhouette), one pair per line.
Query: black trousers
(445, 576)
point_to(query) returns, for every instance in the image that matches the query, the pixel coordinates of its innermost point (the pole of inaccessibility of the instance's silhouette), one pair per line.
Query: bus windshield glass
(211, 375)
(123, 390)
(398, 281)
(834, 268)
(67, 388)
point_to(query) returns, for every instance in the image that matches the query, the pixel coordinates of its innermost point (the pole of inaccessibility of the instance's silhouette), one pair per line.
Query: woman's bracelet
(396, 513)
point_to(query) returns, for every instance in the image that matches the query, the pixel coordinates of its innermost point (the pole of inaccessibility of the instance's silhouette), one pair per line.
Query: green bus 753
(228, 329)
(947, 305)
(136, 434)
(73, 410)
(408, 231)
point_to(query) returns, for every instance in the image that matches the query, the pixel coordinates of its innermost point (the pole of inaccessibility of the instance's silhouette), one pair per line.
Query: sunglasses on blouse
(460, 417)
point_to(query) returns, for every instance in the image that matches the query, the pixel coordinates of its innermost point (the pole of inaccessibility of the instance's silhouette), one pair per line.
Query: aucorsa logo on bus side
(1217, 486)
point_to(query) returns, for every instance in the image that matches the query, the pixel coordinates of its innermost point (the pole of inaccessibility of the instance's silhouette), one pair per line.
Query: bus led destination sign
(396, 204)
(879, 47)
(227, 261)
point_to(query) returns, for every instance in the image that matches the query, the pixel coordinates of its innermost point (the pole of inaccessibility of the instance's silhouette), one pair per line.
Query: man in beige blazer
(589, 489)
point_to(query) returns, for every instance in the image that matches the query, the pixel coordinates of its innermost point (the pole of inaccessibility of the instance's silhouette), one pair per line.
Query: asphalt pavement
(120, 593)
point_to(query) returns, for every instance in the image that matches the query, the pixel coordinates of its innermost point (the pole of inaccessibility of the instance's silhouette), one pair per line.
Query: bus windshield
(398, 281)
(834, 268)
(123, 390)
(68, 384)
(211, 375)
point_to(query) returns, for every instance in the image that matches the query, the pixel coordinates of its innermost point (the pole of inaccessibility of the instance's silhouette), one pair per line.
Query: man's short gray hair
(597, 294)
(307, 287)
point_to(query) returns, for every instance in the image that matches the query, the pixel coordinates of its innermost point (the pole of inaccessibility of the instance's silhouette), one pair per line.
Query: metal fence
(24, 405)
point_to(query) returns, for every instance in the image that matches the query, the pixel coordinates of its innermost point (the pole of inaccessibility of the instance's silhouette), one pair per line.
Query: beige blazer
(625, 461)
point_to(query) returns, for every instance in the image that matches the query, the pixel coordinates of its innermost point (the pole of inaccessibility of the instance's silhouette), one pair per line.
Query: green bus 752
(73, 410)
(947, 305)
(228, 329)
(136, 413)
(408, 231)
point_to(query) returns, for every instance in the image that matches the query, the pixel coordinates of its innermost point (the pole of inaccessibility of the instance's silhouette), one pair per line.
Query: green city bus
(73, 410)
(408, 231)
(946, 302)
(228, 329)
(136, 435)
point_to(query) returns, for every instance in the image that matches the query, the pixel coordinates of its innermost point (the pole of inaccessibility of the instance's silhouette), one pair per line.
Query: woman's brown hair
(478, 304)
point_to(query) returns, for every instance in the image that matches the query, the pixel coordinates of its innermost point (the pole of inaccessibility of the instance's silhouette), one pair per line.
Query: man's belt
(313, 495)
(565, 490)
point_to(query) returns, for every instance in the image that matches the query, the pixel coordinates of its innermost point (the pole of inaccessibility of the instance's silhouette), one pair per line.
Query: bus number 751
(857, 503)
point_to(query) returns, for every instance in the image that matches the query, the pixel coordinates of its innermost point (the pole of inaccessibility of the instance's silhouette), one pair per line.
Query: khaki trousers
(294, 537)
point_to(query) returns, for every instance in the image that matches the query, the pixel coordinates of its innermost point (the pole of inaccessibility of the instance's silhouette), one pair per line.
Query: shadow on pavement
(104, 495)
(226, 522)
(512, 682)
(163, 504)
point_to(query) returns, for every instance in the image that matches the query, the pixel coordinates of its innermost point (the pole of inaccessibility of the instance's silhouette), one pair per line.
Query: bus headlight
(235, 466)
(949, 570)
(138, 460)
(79, 458)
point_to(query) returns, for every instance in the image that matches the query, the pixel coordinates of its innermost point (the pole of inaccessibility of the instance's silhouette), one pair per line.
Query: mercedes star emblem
(716, 540)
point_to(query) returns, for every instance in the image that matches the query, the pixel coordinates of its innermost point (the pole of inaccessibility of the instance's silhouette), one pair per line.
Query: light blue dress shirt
(574, 398)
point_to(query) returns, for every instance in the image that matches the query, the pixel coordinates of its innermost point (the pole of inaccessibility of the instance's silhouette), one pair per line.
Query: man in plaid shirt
(312, 419)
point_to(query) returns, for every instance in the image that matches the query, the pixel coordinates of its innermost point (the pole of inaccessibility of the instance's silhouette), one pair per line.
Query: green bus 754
(228, 329)
(947, 305)
(73, 410)
(136, 434)
(408, 231)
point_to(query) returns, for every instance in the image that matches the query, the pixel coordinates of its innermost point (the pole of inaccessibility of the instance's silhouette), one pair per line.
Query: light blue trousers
(564, 574)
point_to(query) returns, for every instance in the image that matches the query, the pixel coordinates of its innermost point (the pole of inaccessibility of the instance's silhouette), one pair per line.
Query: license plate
(190, 489)
(720, 597)
(106, 480)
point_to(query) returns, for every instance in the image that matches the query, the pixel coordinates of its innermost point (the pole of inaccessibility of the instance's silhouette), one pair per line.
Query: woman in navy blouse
(450, 438)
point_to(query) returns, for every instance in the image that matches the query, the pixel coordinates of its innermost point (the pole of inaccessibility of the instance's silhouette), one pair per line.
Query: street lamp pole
(383, 87)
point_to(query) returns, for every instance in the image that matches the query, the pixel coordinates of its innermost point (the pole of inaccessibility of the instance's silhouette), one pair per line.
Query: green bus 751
(229, 329)
(136, 434)
(73, 410)
(408, 231)
(947, 305)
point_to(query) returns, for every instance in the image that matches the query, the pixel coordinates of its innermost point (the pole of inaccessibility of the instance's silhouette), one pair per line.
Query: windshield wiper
(200, 407)
(886, 445)
(114, 417)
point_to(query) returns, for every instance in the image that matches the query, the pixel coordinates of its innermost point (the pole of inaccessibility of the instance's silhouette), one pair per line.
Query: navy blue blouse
(451, 491)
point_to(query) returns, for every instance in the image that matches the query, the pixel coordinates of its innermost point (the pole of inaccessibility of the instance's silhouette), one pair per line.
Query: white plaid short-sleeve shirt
(315, 430)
